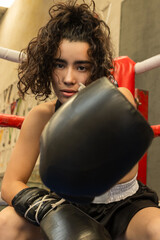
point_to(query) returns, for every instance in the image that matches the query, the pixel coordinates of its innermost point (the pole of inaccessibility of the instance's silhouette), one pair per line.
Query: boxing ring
(124, 72)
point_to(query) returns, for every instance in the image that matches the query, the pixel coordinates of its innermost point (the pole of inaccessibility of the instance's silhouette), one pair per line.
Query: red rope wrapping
(156, 130)
(7, 120)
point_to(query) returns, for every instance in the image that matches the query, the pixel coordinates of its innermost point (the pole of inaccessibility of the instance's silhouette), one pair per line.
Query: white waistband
(118, 192)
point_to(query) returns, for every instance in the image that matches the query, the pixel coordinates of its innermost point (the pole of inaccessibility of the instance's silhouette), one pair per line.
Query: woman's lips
(68, 93)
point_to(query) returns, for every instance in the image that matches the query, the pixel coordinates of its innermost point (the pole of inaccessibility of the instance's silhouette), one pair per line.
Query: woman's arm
(26, 151)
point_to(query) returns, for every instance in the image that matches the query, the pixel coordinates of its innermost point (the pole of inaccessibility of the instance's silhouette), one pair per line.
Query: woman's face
(71, 67)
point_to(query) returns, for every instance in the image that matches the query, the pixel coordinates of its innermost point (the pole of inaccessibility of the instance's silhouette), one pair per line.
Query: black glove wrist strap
(35, 203)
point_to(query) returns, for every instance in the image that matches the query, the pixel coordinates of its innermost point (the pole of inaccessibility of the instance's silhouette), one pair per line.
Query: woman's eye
(58, 65)
(82, 68)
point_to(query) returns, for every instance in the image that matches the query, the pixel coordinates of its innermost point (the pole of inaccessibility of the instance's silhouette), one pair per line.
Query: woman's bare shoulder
(39, 115)
(126, 92)
(47, 108)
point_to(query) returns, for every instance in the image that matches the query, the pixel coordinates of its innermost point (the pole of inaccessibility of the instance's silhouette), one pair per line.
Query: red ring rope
(15, 121)
(7, 120)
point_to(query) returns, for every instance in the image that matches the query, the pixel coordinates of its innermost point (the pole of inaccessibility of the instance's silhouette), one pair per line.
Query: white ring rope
(148, 64)
(11, 55)
(140, 67)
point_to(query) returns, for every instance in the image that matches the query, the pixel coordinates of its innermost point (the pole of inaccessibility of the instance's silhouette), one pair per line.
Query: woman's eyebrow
(76, 62)
(60, 60)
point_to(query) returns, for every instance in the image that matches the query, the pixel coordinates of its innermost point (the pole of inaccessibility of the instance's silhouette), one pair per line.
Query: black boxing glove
(68, 222)
(58, 221)
(34, 203)
(91, 142)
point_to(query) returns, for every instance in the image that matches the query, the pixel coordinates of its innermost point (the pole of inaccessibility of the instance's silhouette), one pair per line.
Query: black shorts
(116, 216)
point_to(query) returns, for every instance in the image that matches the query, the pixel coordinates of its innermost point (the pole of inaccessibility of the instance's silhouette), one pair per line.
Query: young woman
(73, 48)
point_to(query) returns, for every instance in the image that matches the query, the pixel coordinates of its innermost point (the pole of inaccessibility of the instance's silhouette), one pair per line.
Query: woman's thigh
(144, 225)
(14, 227)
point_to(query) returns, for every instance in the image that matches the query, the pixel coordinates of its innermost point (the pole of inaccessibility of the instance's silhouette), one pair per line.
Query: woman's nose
(69, 77)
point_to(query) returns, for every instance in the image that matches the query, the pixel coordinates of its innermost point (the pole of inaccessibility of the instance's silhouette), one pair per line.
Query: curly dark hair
(69, 21)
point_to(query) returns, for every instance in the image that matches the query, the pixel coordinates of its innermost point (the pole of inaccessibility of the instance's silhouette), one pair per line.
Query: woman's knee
(10, 223)
(153, 229)
(3, 221)
(5, 216)
(14, 227)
